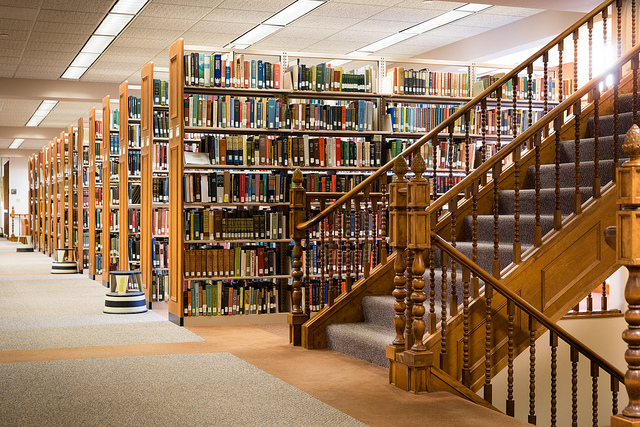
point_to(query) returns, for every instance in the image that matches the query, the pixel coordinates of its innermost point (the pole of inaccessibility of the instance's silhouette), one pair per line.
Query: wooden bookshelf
(95, 203)
(62, 191)
(109, 158)
(152, 171)
(46, 200)
(55, 195)
(82, 207)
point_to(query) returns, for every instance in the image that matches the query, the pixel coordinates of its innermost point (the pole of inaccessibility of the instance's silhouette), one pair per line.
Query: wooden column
(298, 215)
(418, 360)
(628, 254)
(398, 240)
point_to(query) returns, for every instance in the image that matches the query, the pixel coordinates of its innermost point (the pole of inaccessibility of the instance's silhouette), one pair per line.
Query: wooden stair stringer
(555, 277)
(347, 308)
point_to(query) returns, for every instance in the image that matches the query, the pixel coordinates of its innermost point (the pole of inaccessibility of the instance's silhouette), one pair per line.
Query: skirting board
(249, 319)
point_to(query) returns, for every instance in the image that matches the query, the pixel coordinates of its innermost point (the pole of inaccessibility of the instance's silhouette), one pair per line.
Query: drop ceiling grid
(17, 112)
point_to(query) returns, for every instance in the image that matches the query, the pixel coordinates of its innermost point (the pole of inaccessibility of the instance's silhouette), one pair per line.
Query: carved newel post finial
(400, 168)
(297, 177)
(628, 254)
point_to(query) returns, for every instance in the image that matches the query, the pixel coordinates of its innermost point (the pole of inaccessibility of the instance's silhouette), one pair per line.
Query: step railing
(478, 106)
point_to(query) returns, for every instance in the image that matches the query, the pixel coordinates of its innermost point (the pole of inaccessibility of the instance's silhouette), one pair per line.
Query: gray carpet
(61, 311)
(367, 340)
(188, 389)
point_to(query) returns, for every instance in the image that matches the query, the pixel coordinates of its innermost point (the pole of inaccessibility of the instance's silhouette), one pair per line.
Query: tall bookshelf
(32, 194)
(47, 200)
(95, 195)
(110, 190)
(61, 188)
(82, 202)
(154, 237)
(55, 195)
(130, 177)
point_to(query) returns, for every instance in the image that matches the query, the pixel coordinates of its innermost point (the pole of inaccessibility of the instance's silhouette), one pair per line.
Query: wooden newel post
(628, 254)
(297, 216)
(13, 237)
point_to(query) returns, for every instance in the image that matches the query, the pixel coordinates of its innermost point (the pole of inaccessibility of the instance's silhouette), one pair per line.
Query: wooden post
(398, 240)
(418, 360)
(13, 237)
(297, 216)
(628, 254)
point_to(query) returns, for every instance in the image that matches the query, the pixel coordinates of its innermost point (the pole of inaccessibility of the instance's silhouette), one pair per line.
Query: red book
(276, 76)
(247, 74)
(338, 153)
(260, 261)
(242, 187)
(321, 151)
(344, 117)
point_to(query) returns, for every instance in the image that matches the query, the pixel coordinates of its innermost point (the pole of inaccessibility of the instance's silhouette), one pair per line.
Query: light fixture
(293, 12)
(41, 112)
(16, 143)
(386, 42)
(438, 21)
(255, 34)
(116, 20)
(112, 24)
(97, 44)
(473, 7)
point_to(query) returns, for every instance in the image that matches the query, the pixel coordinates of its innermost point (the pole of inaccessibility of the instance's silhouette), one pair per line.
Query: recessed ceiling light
(97, 44)
(473, 7)
(129, 6)
(74, 72)
(255, 34)
(112, 24)
(16, 143)
(293, 12)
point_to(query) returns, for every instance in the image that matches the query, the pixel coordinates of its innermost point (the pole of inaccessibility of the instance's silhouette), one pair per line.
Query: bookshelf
(82, 203)
(129, 179)
(32, 186)
(55, 195)
(95, 195)
(62, 189)
(110, 189)
(46, 200)
(154, 239)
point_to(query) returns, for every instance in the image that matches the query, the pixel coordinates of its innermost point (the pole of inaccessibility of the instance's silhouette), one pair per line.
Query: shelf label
(177, 131)
(170, 133)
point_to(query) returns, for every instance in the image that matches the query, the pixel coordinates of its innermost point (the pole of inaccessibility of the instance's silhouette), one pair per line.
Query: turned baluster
(589, 302)
(590, 27)
(594, 392)
(431, 319)
(483, 131)
(410, 257)
(474, 235)
(443, 310)
(553, 342)
(514, 107)
(467, 144)
(347, 255)
(366, 265)
(331, 220)
(529, 98)
(516, 206)
(616, 109)
(531, 419)
(545, 88)
(341, 250)
(487, 392)
(603, 298)
(628, 249)
(560, 86)
(451, 160)
(498, 118)
(383, 227)
(419, 240)
(308, 267)
(497, 170)
(575, 356)
(323, 283)
(376, 229)
(510, 405)
(297, 214)
(576, 35)
(398, 240)
(557, 214)
(596, 143)
(434, 144)
(357, 255)
(466, 370)
(634, 100)
(537, 229)
(615, 389)
(577, 198)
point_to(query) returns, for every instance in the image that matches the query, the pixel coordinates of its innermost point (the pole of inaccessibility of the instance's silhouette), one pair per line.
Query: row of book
(221, 298)
(160, 253)
(114, 195)
(424, 117)
(160, 92)
(98, 263)
(425, 82)
(160, 156)
(114, 144)
(160, 124)
(235, 224)
(522, 86)
(268, 150)
(506, 120)
(115, 120)
(225, 70)
(133, 246)
(227, 187)
(114, 248)
(133, 135)
(98, 131)
(239, 261)
(134, 190)
(240, 112)
(134, 107)
(98, 219)
(445, 183)
(160, 221)
(344, 225)
(323, 77)
(98, 174)
(134, 220)
(134, 163)
(439, 156)
(114, 221)
(160, 189)
(160, 285)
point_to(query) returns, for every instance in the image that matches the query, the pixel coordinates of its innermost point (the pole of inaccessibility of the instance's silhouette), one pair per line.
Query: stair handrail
(536, 128)
(458, 114)
(545, 321)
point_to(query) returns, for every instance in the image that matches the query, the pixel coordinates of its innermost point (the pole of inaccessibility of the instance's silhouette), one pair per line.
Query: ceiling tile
(375, 24)
(284, 43)
(56, 27)
(271, 5)
(69, 17)
(151, 22)
(214, 27)
(102, 6)
(241, 16)
(189, 3)
(333, 22)
(363, 37)
(346, 9)
(512, 11)
(53, 48)
(154, 9)
(317, 33)
(23, 13)
(8, 25)
(13, 49)
(16, 112)
(35, 59)
(341, 47)
(434, 5)
(50, 73)
(159, 34)
(40, 36)
(409, 15)
(31, 4)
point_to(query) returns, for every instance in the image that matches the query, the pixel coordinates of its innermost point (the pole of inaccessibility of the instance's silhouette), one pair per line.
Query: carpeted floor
(188, 389)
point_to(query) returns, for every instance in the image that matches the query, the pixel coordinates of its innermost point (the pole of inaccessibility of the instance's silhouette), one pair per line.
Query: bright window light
(74, 72)
(84, 59)
(438, 21)
(129, 6)
(16, 143)
(256, 34)
(97, 44)
(112, 24)
(386, 42)
(293, 12)
(473, 7)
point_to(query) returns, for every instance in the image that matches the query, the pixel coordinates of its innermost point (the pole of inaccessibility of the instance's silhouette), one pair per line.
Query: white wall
(18, 180)
(601, 335)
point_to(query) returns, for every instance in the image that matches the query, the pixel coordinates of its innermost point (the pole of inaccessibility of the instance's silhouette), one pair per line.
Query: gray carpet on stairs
(367, 340)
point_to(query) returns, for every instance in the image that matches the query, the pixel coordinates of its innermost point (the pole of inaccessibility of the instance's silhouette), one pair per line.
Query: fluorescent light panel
(16, 143)
(438, 21)
(74, 72)
(84, 59)
(112, 24)
(255, 34)
(293, 12)
(97, 44)
(41, 112)
(473, 7)
(130, 7)
(386, 42)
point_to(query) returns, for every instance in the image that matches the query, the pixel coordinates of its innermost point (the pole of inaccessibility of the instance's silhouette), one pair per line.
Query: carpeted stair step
(506, 202)
(506, 227)
(485, 254)
(587, 149)
(625, 120)
(378, 310)
(567, 180)
(365, 341)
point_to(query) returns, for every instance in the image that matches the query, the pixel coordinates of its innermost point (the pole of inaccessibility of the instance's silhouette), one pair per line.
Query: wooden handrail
(458, 114)
(525, 306)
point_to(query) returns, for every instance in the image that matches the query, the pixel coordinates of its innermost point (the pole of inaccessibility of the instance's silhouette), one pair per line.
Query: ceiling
(45, 35)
